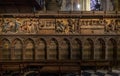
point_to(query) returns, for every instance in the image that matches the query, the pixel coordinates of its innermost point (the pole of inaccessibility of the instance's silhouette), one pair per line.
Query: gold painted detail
(59, 26)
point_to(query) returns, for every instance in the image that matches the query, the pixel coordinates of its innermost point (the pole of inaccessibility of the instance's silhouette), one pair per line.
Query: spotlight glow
(78, 6)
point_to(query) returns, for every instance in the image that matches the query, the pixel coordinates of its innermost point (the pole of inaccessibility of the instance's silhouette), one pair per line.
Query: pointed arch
(31, 73)
(100, 49)
(76, 49)
(6, 51)
(29, 52)
(53, 49)
(41, 53)
(112, 47)
(17, 49)
(88, 50)
(65, 49)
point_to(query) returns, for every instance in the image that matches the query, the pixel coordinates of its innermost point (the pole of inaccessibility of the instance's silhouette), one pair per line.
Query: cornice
(65, 14)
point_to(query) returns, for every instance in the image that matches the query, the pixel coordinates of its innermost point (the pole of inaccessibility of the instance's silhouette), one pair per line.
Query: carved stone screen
(6, 51)
(29, 50)
(100, 49)
(53, 50)
(17, 49)
(65, 50)
(41, 49)
(76, 49)
(59, 26)
(111, 49)
(87, 50)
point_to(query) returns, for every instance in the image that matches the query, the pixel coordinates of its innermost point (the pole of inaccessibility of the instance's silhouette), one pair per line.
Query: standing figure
(71, 25)
(60, 27)
(29, 26)
(6, 26)
(17, 25)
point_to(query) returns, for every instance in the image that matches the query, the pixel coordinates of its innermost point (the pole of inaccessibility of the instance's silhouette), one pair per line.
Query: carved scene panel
(59, 26)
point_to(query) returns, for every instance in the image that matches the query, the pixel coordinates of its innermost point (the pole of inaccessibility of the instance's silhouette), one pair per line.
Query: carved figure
(111, 26)
(71, 25)
(6, 26)
(17, 25)
(1, 25)
(60, 27)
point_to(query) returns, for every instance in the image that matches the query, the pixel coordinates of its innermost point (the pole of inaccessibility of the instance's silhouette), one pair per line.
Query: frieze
(67, 26)
(59, 26)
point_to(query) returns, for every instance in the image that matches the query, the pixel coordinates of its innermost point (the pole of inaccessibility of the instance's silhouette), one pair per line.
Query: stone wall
(60, 25)
(63, 47)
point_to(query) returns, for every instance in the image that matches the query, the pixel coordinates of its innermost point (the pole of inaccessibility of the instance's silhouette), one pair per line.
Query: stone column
(0, 52)
(72, 5)
(106, 49)
(23, 54)
(35, 52)
(109, 5)
(12, 53)
(81, 5)
(103, 5)
(84, 5)
(87, 3)
(63, 7)
(116, 3)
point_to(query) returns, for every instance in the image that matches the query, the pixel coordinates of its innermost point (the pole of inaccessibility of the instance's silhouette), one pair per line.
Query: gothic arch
(65, 51)
(5, 39)
(100, 49)
(31, 73)
(88, 49)
(6, 51)
(111, 49)
(19, 39)
(29, 50)
(17, 49)
(53, 49)
(76, 49)
(41, 52)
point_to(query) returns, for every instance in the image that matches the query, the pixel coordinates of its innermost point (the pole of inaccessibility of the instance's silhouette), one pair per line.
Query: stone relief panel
(25, 25)
(67, 26)
(110, 26)
(59, 26)
(92, 26)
